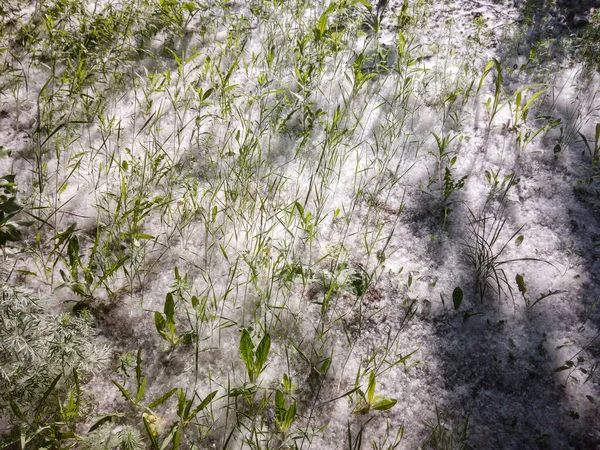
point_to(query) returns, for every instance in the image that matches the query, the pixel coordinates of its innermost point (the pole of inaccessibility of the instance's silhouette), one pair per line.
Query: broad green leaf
(176, 440)
(457, 297)
(521, 284)
(322, 26)
(190, 7)
(236, 392)
(159, 322)
(499, 78)
(113, 268)
(61, 238)
(585, 141)
(246, 347)
(170, 308)
(73, 253)
(384, 404)
(262, 351)
(188, 407)
(207, 94)
(188, 338)
(287, 383)
(279, 406)
(246, 389)
(300, 209)
(172, 436)
(290, 415)
(371, 387)
(144, 236)
(566, 366)
(325, 366)
(486, 70)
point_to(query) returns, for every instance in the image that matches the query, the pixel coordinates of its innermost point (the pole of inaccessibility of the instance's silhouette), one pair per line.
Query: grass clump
(446, 434)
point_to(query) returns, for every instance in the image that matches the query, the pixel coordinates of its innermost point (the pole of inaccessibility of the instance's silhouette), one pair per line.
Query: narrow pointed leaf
(163, 398)
(138, 367)
(124, 391)
(47, 394)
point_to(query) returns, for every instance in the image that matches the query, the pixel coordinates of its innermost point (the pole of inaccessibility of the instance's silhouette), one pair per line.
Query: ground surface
(398, 201)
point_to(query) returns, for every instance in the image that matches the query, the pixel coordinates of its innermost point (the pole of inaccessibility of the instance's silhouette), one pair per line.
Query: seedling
(284, 415)
(369, 401)
(85, 278)
(450, 186)
(499, 185)
(494, 104)
(523, 290)
(140, 385)
(165, 323)
(254, 359)
(446, 182)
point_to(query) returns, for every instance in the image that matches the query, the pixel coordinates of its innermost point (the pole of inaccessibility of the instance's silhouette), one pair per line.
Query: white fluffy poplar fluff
(299, 224)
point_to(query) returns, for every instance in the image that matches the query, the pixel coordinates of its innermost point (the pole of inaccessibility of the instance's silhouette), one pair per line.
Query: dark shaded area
(555, 30)
(499, 369)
